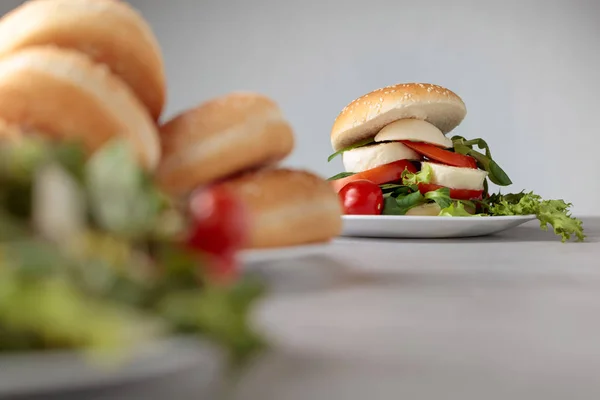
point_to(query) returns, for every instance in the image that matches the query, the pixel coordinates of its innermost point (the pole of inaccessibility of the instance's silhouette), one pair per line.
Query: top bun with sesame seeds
(366, 116)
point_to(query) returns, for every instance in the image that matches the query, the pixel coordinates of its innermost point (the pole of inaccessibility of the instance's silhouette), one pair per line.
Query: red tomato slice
(441, 155)
(379, 175)
(362, 198)
(457, 194)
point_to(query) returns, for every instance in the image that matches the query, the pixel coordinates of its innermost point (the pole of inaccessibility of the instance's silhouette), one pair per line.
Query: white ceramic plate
(56, 373)
(397, 226)
(282, 253)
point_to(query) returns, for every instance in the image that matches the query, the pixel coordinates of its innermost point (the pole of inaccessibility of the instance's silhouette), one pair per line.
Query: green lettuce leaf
(423, 176)
(123, 200)
(549, 212)
(455, 209)
(109, 285)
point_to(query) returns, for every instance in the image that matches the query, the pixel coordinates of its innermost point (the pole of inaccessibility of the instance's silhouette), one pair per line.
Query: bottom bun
(288, 207)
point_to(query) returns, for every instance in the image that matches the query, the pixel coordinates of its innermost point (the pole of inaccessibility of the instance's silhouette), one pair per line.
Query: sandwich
(64, 95)
(399, 159)
(110, 32)
(235, 143)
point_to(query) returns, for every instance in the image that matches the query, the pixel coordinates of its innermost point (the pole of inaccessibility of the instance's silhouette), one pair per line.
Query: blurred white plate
(398, 226)
(58, 373)
(283, 253)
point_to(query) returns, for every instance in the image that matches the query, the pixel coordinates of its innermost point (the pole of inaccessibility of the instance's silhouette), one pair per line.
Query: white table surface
(513, 316)
(508, 317)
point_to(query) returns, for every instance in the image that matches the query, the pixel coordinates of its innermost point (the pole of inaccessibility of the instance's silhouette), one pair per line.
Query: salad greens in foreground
(90, 259)
(406, 192)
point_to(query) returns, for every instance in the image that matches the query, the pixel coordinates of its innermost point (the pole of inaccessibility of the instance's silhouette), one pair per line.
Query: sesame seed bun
(288, 207)
(64, 95)
(110, 32)
(221, 138)
(365, 116)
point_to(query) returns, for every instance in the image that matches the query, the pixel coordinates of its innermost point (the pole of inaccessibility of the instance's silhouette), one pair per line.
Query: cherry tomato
(457, 194)
(362, 198)
(220, 222)
(441, 155)
(379, 175)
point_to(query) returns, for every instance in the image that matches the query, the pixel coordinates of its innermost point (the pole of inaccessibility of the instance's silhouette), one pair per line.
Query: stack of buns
(85, 70)
(237, 141)
(92, 70)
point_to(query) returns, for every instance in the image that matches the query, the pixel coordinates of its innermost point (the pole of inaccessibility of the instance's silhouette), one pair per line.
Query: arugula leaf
(485, 161)
(401, 204)
(390, 206)
(395, 190)
(356, 145)
(486, 188)
(340, 176)
(549, 212)
(409, 201)
(391, 186)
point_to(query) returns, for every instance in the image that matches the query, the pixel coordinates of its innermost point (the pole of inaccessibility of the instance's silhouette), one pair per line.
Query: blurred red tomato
(219, 228)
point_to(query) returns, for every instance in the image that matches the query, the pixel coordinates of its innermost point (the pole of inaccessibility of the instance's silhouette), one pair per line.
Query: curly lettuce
(555, 213)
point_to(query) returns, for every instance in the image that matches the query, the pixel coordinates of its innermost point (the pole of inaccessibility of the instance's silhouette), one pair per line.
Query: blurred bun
(221, 138)
(63, 95)
(108, 31)
(367, 115)
(288, 207)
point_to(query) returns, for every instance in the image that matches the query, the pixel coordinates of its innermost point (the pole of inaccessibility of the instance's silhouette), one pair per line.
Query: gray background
(529, 71)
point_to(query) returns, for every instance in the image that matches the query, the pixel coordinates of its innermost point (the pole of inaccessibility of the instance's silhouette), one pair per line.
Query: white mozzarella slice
(364, 158)
(414, 130)
(456, 178)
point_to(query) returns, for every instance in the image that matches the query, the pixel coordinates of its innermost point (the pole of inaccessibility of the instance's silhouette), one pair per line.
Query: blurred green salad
(89, 258)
